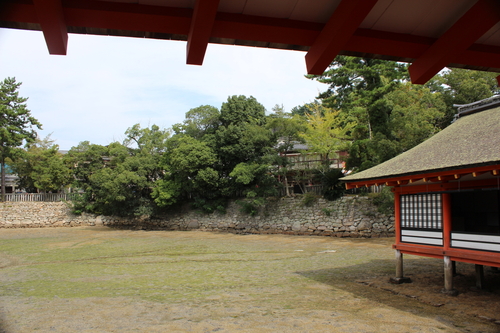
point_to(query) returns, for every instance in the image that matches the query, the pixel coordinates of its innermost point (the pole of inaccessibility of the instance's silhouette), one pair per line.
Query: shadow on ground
(423, 296)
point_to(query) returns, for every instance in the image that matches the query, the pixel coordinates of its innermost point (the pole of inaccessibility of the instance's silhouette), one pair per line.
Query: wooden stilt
(448, 277)
(479, 276)
(399, 270)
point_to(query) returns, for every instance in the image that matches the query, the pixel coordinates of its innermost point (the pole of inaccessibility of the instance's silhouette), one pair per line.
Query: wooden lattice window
(421, 211)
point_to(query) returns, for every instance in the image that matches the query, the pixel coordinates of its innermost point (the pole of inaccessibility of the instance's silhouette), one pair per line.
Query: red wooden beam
(466, 31)
(342, 24)
(450, 186)
(125, 16)
(177, 21)
(448, 178)
(17, 12)
(265, 29)
(455, 174)
(473, 256)
(200, 30)
(51, 18)
(419, 250)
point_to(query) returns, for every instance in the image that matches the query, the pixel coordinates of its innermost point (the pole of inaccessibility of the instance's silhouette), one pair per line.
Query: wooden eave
(444, 180)
(430, 35)
(469, 146)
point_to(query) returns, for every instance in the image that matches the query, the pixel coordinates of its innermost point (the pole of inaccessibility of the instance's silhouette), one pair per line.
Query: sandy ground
(103, 280)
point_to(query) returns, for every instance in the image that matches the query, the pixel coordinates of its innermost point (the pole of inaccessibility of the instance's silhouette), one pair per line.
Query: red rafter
(337, 31)
(468, 29)
(51, 18)
(201, 30)
(139, 20)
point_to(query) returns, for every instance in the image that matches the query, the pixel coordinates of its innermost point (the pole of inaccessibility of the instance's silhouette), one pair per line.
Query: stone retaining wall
(351, 216)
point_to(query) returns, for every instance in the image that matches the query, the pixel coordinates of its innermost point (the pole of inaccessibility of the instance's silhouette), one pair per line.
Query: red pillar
(397, 216)
(448, 264)
(446, 205)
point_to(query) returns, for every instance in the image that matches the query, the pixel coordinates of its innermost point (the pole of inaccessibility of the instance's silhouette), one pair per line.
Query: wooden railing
(46, 197)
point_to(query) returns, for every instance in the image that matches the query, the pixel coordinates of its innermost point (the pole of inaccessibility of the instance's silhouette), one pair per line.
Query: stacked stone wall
(350, 216)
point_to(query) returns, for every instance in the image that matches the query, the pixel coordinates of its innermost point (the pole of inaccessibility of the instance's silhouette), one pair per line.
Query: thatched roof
(472, 140)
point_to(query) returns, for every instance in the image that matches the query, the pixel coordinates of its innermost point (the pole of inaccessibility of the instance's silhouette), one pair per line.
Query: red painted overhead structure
(429, 34)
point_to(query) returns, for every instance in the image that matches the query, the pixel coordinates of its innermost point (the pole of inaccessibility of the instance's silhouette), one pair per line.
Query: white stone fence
(350, 216)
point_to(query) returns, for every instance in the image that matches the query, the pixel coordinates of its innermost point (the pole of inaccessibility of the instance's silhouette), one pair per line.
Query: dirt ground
(107, 280)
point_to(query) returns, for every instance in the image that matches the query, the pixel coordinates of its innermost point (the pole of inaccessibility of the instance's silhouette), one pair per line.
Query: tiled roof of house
(472, 140)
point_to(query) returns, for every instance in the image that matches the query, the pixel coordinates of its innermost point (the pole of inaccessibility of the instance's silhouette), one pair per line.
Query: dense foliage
(16, 123)
(40, 167)
(369, 113)
(392, 115)
(216, 155)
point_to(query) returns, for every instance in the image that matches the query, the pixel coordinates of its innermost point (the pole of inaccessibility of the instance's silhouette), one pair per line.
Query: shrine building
(447, 193)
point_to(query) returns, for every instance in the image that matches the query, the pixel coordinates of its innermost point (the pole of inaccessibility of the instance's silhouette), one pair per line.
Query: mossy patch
(122, 280)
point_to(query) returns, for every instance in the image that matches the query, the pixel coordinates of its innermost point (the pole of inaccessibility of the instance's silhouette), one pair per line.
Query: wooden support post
(447, 223)
(399, 264)
(448, 277)
(479, 276)
(399, 270)
(397, 216)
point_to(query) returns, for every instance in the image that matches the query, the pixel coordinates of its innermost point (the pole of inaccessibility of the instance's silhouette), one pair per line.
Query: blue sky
(107, 84)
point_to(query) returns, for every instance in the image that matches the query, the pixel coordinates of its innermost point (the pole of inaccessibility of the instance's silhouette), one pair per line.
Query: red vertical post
(448, 263)
(446, 205)
(397, 216)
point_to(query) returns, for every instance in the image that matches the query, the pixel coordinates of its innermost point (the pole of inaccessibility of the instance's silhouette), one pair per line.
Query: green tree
(147, 140)
(189, 172)
(302, 110)
(285, 128)
(118, 179)
(356, 87)
(462, 86)
(123, 188)
(326, 133)
(242, 136)
(224, 160)
(85, 160)
(199, 122)
(16, 123)
(40, 167)
(416, 113)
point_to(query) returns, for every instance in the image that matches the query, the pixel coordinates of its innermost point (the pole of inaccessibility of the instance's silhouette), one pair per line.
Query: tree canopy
(40, 167)
(17, 125)
(391, 114)
(216, 155)
(369, 111)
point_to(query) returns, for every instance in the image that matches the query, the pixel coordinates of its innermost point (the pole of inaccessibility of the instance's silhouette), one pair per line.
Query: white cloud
(107, 84)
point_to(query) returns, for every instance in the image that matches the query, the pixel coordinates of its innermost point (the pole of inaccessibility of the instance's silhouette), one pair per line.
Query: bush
(327, 211)
(209, 206)
(333, 188)
(251, 207)
(309, 199)
(384, 201)
(247, 208)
